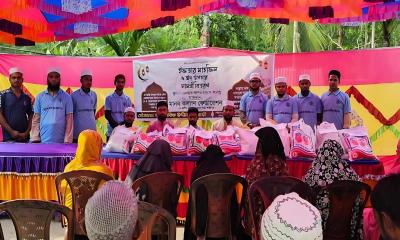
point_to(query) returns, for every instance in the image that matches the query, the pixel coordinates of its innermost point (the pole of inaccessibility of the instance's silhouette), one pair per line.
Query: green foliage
(227, 31)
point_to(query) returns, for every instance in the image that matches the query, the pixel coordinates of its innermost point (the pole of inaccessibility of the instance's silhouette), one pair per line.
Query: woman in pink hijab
(371, 228)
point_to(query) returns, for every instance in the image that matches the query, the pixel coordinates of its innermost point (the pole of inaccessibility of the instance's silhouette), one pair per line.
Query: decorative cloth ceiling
(25, 22)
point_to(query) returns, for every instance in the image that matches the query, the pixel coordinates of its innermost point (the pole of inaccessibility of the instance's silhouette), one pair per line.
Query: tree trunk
(340, 35)
(296, 40)
(386, 33)
(373, 35)
(205, 31)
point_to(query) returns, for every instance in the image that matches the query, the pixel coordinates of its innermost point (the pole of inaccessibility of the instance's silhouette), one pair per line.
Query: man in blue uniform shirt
(336, 104)
(53, 113)
(253, 103)
(309, 104)
(116, 104)
(15, 109)
(85, 103)
(282, 108)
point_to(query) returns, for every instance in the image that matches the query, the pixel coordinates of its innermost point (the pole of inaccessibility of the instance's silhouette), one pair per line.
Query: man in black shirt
(15, 110)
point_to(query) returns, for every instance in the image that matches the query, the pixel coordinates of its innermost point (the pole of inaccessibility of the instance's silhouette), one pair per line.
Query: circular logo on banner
(142, 72)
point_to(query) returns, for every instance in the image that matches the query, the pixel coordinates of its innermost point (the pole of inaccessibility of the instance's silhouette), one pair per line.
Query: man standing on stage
(336, 104)
(53, 113)
(85, 103)
(15, 109)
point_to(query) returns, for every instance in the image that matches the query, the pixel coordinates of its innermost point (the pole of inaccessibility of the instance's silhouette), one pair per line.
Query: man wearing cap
(253, 103)
(291, 217)
(116, 104)
(129, 118)
(282, 108)
(53, 113)
(228, 111)
(335, 103)
(15, 109)
(309, 104)
(161, 121)
(193, 116)
(85, 102)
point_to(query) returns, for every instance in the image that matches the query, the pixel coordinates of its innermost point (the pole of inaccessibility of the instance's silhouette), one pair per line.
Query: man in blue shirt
(116, 104)
(282, 108)
(15, 109)
(253, 103)
(336, 104)
(309, 104)
(53, 113)
(85, 104)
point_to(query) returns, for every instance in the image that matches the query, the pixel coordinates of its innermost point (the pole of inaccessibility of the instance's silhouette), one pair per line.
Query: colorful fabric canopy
(24, 22)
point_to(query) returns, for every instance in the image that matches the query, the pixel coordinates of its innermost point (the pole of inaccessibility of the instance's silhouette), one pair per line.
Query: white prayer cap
(304, 77)
(14, 70)
(54, 69)
(228, 103)
(255, 75)
(280, 80)
(129, 109)
(86, 72)
(112, 212)
(291, 216)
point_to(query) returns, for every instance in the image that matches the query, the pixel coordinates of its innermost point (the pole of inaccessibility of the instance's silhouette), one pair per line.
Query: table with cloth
(28, 171)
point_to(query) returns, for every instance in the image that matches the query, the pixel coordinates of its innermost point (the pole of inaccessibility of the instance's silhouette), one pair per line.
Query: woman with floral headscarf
(327, 168)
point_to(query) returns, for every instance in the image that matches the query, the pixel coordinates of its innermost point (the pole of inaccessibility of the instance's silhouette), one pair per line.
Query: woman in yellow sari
(87, 157)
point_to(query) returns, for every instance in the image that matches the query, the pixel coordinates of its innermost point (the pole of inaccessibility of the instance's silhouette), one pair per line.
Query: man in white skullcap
(309, 104)
(85, 104)
(253, 103)
(53, 112)
(282, 108)
(15, 109)
(291, 217)
(112, 212)
(228, 111)
(129, 118)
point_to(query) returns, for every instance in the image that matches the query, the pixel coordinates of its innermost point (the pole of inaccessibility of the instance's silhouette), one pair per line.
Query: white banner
(197, 82)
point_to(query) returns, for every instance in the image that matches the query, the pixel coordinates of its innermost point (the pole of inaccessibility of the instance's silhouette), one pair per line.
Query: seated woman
(87, 157)
(211, 161)
(158, 158)
(269, 160)
(371, 228)
(325, 169)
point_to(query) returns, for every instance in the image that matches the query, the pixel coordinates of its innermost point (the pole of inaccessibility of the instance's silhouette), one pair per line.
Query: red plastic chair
(268, 188)
(32, 218)
(219, 188)
(342, 200)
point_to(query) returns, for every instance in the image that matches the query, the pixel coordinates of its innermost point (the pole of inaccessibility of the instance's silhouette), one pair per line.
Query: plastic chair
(149, 216)
(219, 188)
(1, 233)
(161, 189)
(342, 199)
(32, 218)
(83, 184)
(268, 188)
